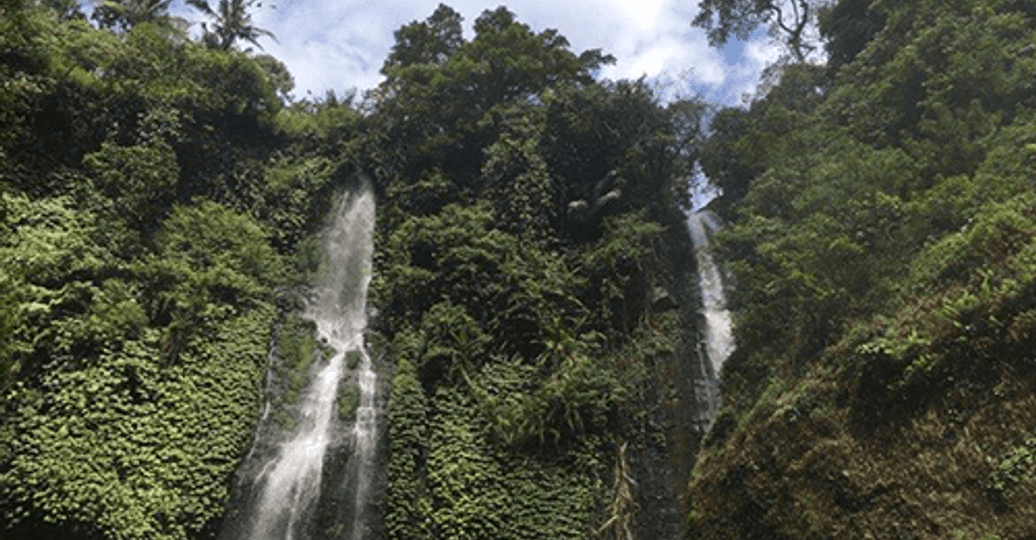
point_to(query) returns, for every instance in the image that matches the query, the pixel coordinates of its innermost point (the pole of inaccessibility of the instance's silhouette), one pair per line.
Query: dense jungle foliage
(153, 203)
(161, 204)
(162, 199)
(883, 213)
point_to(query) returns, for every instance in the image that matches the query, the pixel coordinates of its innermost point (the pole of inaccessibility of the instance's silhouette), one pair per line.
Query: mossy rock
(352, 359)
(348, 402)
(284, 419)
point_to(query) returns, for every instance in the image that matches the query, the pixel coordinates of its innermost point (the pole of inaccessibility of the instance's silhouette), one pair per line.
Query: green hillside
(882, 246)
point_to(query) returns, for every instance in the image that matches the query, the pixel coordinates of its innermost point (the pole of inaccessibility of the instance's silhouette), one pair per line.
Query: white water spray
(719, 340)
(291, 483)
(364, 437)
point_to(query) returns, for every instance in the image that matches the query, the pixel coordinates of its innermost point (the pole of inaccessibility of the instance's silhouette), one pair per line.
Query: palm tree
(233, 22)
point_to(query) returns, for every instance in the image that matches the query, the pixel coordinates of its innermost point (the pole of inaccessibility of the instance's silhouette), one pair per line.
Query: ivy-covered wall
(125, 449)
(451, 478)
(467, 462)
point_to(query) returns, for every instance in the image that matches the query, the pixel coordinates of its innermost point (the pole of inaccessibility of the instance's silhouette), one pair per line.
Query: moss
(296, 350)
(1019, 464)
(352, 359)
(284, 419)
(348, 401)
(336, 531)
(939, 453)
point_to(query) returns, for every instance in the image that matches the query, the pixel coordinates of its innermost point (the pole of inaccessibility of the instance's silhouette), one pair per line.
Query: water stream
(718, 339)
(286, 491)
(341, 317)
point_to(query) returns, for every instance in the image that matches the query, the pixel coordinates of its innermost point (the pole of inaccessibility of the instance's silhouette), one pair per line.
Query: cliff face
(160, 202)
(461, 462)
(675, 404)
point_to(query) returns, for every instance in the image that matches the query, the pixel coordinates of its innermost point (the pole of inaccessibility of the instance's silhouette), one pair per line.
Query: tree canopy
(794, 20)
(233, 22)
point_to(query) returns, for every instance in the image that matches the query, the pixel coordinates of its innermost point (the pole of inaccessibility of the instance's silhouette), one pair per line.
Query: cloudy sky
(341, 44)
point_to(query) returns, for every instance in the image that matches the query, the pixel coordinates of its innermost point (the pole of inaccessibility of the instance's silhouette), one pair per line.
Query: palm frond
(202, 6)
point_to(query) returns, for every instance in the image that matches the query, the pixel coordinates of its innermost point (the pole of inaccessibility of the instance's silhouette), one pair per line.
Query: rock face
(663, 301)
(662, 465)
(676, 403)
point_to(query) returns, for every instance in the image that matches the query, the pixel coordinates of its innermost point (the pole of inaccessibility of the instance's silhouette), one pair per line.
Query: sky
(341, 44)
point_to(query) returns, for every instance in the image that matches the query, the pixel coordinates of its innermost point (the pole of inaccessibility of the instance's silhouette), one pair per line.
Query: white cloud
(642, 13)
(338, 44)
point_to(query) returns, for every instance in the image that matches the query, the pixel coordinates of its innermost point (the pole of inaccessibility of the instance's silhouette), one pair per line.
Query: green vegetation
(531, 213)
(233, 22)
(352, 359)
(348, 402)
(161, 199)
(881, 238)
(140, 276)
(296, 351)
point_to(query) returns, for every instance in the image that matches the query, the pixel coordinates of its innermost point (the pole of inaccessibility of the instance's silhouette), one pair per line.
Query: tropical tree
(126, 14)
(233, 22)
(278, 75)
(66, 10)
(847, 27)
(431, 41)
(794, 18)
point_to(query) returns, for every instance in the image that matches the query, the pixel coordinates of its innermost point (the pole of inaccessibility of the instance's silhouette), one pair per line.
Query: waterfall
(340, 314)
(718, 339)
(286, 492)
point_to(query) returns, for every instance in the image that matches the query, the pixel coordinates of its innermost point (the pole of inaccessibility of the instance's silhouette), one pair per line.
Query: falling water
(719, 341)
(340, 312)
(290, 484)
(365, 437)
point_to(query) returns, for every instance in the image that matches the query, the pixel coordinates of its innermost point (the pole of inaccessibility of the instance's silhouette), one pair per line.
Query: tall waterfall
(718, 339)
(341, 317)
(287, 490)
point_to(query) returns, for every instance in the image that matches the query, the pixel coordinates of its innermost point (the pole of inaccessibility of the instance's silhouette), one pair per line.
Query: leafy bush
(407, 502)
(142, 178)
(210, 262)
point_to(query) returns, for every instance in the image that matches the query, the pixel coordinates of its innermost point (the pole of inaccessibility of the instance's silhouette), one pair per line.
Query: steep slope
(884, 245)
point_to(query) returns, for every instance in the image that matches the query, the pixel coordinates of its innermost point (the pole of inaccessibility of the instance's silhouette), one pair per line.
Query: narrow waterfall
(341, 317)
(288, 488)
(718, 338)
